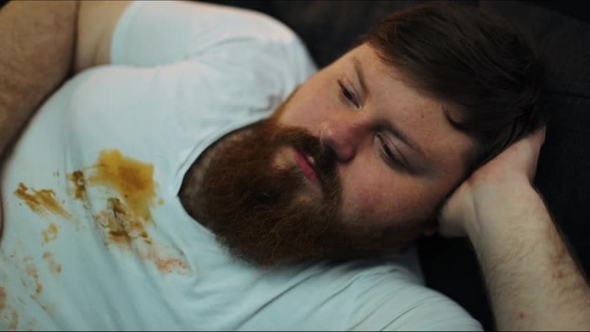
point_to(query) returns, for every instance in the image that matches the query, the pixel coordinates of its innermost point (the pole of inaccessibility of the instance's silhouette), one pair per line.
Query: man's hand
(497, 184)
(532, 278)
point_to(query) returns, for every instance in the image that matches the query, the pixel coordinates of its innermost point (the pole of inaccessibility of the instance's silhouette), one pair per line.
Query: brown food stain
(132, 179)
(50, 233)
(121, 224)
(53, 265)
(125, 229)
(168, 265)
(13, 321)
(77, 180)
(4, 311)
(32, 272)
(2, 298)
(116, 234)
(41, 201)
(31, 323)
(124, 221)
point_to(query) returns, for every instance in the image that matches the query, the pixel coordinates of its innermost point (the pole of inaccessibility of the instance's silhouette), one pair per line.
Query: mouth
(307, 166)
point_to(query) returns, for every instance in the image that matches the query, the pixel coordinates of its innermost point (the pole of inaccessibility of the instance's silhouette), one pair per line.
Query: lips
(307, 166)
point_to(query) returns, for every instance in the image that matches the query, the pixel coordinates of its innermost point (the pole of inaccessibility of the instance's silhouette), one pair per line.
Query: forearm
(37, 47)
(533, 281)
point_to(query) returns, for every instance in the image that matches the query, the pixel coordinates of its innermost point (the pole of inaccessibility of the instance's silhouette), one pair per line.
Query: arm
(41, 43)
(37, 45)
(532, 278)
(35, 58)
(97, 21)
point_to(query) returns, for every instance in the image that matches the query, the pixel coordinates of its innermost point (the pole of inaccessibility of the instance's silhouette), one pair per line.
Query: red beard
(267, 216)
(254, 206)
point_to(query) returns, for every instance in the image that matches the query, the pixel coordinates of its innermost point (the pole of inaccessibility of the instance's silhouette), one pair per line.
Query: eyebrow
(387, 125)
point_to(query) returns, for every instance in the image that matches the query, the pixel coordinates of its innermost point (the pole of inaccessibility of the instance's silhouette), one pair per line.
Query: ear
(430, 230)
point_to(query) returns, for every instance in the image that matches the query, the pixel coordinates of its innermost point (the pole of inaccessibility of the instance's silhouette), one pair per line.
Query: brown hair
(480, 65)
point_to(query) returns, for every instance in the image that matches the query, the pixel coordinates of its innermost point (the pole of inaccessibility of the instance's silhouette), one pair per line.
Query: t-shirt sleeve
(160, 33)
(387, 305)
(217, 51)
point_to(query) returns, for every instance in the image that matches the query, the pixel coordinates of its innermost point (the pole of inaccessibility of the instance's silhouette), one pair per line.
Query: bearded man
(197, 172)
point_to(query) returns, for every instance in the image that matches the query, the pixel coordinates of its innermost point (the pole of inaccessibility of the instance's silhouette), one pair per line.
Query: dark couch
(562, 31)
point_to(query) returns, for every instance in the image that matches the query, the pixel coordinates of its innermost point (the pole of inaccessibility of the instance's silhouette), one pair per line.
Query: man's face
(354, 163)
(397, 155)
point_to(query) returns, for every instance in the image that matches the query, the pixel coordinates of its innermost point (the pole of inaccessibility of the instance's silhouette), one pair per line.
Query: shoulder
(228, 45)
(391, 297)
(212, 24)
(258, 42)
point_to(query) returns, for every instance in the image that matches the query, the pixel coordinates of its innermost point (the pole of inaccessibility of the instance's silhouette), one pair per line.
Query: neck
(191, 193)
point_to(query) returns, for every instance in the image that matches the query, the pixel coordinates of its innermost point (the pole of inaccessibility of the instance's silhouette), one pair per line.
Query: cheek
(383, 199)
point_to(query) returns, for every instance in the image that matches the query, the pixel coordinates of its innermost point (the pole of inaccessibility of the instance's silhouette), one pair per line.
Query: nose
(343, 136)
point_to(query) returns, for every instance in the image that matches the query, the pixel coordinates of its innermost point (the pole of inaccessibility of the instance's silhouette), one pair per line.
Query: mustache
(323, 155)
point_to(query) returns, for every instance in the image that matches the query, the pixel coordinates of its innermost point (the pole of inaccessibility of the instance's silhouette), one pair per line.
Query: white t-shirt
(95, 236)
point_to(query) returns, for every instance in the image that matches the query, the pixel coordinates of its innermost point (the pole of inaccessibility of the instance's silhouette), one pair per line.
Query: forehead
(421, 117)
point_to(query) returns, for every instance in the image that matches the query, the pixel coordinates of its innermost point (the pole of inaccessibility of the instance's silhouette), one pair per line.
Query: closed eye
(388, 155)
(348, 94)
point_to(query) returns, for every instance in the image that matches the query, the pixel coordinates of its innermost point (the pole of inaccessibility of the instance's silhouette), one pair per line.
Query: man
(124, 191)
